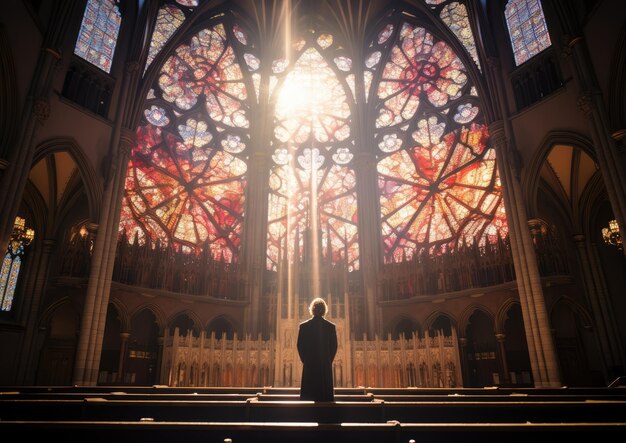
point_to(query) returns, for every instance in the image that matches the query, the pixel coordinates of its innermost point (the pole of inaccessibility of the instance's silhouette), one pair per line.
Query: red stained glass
(437, 177)
(185, 182)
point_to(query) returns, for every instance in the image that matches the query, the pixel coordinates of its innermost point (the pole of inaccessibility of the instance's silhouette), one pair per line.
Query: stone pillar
(159, 359)
(254, 238)
(605, 325)
(102, 260)
(370, 251)
(543, 357)
(35, 112)
(592, 104)
(35, 285)
(123, 352)
(502, 363)
(464, 360)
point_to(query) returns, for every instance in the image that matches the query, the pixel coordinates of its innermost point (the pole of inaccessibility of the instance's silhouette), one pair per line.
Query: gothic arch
(48, 313)
(189, 314)
(432, 318)
(467, 313)
(501, 315)
(122, 312)
(402, 324)
(225, 319)
(576, 308)
(156, 310)
(91, 185)
(532, 177)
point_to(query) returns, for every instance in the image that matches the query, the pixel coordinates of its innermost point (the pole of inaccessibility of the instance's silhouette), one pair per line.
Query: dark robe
(317, 346)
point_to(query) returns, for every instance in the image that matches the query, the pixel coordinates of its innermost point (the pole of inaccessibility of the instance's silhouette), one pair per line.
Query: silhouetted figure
(317, 346)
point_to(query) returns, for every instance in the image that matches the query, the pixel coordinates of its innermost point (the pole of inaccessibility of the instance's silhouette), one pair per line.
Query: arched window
(98, 33)
(312, 200)
(186, 177)
(527, 29)
(438, 181)
(11, 265)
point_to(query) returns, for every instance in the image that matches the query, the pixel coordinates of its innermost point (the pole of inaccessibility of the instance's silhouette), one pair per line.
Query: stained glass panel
(12, 262)
(312, 185)
(454, 15)
(98, 33)
(168, 21)
(186, 177)
(437, 177)
(527, 29)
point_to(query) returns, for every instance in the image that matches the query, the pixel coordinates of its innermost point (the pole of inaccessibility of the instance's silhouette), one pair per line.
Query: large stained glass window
(312, 200)
(186, 177)
(527, 29)
(98, 33)
(438, 181)
(12, 262)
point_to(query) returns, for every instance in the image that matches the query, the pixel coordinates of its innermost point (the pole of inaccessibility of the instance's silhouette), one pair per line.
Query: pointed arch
(156, 310)
(191, 315)
(467, 313)
(403, 324)
(435, 316)
(90, 179)
(122, 311)
(531, 178)
(223, 323)
(572, 305)
(502, 313)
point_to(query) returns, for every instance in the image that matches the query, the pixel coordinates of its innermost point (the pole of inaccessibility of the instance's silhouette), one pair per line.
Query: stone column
(254, 238)
(102, 260)
(543, 358)
(502, 363)
(159, 360)
(592, 104)
(604, 321)
(35, 112)
(370, 241)
(122, 360)
(464, 360)
(35, 285)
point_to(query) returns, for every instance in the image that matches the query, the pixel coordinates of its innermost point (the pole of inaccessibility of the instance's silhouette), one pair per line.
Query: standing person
(317, 346)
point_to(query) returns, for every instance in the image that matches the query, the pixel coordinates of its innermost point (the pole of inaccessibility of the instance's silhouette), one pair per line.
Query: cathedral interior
(180, 178)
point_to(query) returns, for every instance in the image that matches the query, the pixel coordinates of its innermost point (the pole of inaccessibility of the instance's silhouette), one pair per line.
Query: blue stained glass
(527, 29)
(98, 33)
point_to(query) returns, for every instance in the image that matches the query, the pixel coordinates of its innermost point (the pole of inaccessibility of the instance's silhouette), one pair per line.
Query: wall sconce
(21, 235)
(612, 236)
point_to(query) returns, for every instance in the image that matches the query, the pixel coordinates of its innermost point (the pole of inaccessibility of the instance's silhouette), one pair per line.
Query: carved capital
(493, 62)
(41, 109)
(132, 66)
(534, 224)
(128, 139)
(585, 104)
(568, 45)
(54, 52)
(497, 134)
